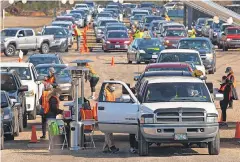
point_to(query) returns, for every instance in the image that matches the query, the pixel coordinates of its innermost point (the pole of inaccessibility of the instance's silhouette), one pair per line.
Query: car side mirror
(23, 88)
(14, 102)
(210, 86)
(125, 98)
(20, 35)
(218, 96)
(134, 47)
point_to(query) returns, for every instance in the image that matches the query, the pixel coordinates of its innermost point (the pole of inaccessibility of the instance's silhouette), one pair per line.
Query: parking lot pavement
(230, 150)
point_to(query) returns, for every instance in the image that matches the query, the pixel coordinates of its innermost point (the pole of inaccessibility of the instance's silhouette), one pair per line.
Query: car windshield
(176, 33)
(233, 31)
(200, 21)
(8, 33)
(54, 31)
(104, 15)
(180, 57)
(194, 44)
(76, 16)
(138, 17)
(117, 35)
(116, 28)
(147, 5)
(112, 6)
(58, 71)
(23, 72)
(62, 25)
(150, 19)
(44, 60)
(176, 92)
(103, 23)
(169, 69)
(140, 13)
(79, 12)
(8, 83)
(148, 43)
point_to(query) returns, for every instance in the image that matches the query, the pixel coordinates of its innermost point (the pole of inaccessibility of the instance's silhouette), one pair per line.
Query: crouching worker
(109, 95)
(50, 104)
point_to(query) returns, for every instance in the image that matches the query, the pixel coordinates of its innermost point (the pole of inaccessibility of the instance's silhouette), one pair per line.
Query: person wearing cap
(51, 78)
(109, 96)
(231, 80)
(77, 34)
(51, 107)
(93, 78)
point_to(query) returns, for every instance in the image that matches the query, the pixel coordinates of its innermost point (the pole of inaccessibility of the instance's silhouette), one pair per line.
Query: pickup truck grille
(180, 115)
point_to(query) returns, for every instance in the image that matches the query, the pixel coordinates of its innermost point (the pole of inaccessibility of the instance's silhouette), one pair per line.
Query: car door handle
(100, 108)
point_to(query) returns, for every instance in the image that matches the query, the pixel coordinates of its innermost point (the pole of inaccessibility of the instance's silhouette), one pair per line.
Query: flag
(20, 56)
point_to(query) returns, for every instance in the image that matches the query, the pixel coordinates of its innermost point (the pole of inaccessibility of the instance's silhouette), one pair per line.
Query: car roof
(147, 74)
(64, 17)
(172, 23)
(179, 51)
(61, 22)
(18, 29)
(111, 31)
(15, 64)
(53, 27)
(197, 38)
(176, 29)
(50, 65)
(167, 64)
(44, 55)
(173, 79)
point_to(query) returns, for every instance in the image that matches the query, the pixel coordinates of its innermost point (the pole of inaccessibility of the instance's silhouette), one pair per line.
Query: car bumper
(116, 47)
(208, 64)
(233, 44)
(65, 90)
(7, 126)
(147, 57)
(166, 133)
(57, 47)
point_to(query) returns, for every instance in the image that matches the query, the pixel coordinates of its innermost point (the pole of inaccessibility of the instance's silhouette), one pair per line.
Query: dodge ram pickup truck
(164, 110)
(13, 39)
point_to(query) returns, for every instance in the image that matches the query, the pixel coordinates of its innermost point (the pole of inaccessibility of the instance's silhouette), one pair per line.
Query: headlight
(212, 118)
(229, 39)
(65, 85)
(126, 42)
(215, 33)
(167, 41)
(142, 51)
(147, 118)
(6, 117)
(209, 55)
(99, 30)
(29, 93)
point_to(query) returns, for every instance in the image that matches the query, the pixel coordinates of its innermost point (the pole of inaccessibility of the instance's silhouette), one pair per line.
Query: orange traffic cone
(237, 133)
(112, 62)
(34, 135)
(20, 56)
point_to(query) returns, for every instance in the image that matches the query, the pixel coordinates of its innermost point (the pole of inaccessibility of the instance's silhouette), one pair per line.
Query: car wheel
(25, 52)
(66, 50)
(70, 98)
(44, 48)
(25, 118)
(187, 145)
(20, 119)
(143, 147)
(9, 137)
(219, 46)
(2, 139)
(10, 50)
(214, 146)
(33, 113)
(211, 71)
(130, 62)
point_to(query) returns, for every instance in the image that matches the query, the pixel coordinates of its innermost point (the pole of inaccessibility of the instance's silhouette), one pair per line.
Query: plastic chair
(62, 132)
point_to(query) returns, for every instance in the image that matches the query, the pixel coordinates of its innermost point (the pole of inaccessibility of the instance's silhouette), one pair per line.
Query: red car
(172, 37)
(231, 38)
(116, 40)
(169, 66)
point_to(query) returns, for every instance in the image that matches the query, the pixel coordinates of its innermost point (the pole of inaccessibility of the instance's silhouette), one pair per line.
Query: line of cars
(224, 35)
(21, 89)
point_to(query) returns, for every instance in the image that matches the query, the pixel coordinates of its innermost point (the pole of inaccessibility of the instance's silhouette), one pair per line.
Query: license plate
(117, 46)
(65, 97)
(180, 137)
(154, 56)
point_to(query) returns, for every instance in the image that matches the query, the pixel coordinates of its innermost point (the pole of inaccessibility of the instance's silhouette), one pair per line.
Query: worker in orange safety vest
(77, 34)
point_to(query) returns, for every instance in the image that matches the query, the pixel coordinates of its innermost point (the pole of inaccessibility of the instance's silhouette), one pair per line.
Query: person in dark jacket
(51, 108)
(231, 80)
(225, 89)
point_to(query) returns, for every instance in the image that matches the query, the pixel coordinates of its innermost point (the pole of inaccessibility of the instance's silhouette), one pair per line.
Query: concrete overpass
(211, 8)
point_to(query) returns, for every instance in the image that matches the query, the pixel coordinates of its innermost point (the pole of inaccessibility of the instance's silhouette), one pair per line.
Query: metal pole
(82, 88)
(76, 100)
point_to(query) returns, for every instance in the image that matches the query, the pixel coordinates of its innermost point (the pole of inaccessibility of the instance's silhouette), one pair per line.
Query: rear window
(44, 60)
(140, 13)
(176, 33)
(233, 31)
(8, 83)
(150, 19)
(103, 23)
(180, 57)
(117, 35)
(23, 72)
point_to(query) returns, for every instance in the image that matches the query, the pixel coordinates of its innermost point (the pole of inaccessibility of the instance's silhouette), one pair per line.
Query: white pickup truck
(24, 39)
(164, 110)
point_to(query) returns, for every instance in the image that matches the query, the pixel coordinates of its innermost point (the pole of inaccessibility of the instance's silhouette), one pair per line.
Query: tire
(225, 48)
(25, 118)
(25, 52)
(143, 147)
(33, 113)
(44, 48)
(214, 146)
(20, 120)
(130, 62)
(70, 98)
(211, 71)
(10, 50)
(9, 137)
(138, 62)
(66, 50)
(2, 139)
(187, 145)
(16, 134)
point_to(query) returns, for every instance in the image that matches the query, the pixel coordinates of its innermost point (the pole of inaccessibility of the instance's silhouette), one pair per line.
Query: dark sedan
(63, 78)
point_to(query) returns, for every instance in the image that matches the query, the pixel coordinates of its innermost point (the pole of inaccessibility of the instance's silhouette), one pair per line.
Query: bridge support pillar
(189, 17)
(185, 15)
